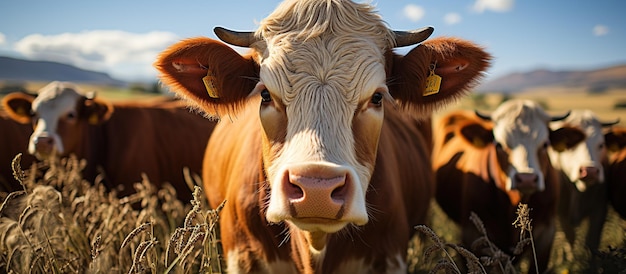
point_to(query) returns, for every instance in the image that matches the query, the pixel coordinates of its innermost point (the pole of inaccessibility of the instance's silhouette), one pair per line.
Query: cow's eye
(265, 96)
(377, 99)
(601, 146)
(71, 115)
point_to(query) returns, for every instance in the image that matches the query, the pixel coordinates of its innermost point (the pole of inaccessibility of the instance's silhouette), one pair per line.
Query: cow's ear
(566, 138)
(435, 72)
(476, 134)
(209, 73)
(19, 106)
(615, 140)
(97, 111)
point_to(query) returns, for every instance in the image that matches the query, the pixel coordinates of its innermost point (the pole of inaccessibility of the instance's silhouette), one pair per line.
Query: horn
(608, 124)
(235, 38)
(482, 116)
(412, 37)
(559, 118)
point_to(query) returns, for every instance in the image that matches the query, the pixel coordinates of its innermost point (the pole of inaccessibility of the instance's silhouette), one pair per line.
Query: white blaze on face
(56, 101)
(320, 88)
(520, 127)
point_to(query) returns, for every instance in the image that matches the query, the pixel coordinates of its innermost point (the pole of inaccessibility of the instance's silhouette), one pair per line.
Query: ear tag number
(208, 84)
(433, 82)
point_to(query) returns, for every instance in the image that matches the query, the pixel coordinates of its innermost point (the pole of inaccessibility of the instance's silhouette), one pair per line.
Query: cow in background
(121, 140)
(490, 164)
(321, 171)
(616, 171)
(13, 140)
(578, 152)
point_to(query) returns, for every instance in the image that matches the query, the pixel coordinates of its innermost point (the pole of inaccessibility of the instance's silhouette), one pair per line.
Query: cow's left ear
(615, 139)
(435, 72)
(566, 138)
(18, 106)
(96, 111)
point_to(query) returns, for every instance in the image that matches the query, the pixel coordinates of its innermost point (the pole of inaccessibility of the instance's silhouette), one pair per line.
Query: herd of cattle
(324, 150)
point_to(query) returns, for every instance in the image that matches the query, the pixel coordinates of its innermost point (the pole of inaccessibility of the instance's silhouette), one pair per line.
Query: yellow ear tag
(433, 82)
(208, 84)
(93, 119)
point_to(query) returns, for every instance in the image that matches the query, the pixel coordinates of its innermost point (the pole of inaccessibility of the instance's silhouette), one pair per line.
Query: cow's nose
(44, 144)
(526, 182)
(315, 194)
(589, 174)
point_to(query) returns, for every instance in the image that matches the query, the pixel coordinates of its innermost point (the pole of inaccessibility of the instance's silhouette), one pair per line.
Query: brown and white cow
(616, 170)
(321, 171)
(124, 139)
(13, 140)
(488, 165)
(578, 151)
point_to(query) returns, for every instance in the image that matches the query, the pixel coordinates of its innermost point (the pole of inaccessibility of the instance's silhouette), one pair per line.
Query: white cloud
(493, 5)
(414, 12)
(452, 18)
(600, 30)
(124, 55)
(3, 38)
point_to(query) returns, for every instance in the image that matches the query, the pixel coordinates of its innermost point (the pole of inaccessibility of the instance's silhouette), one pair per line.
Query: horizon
(123, 38)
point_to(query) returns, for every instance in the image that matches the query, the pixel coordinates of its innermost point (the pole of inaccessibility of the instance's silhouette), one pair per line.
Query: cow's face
(578, 148)
(521, 135)
(58, 115)
(321, 119)
(321, 88)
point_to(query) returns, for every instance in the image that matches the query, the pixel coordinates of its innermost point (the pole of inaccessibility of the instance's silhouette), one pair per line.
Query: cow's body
(319, 176)
(13, 140)
(616, 171)
(579, 154)
(121, 140)
(489, 167)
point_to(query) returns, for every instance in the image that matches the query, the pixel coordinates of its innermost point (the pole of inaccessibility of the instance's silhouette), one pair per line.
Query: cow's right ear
(209, 73)
(476, 134)
(19, 107)
(566, 138)
(97, 111)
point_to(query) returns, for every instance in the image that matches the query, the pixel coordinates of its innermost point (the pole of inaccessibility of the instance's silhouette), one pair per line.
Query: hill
(593, 80)
(19, 70)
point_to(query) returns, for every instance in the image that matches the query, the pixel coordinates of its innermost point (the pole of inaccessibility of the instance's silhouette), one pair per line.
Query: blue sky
(123, 37)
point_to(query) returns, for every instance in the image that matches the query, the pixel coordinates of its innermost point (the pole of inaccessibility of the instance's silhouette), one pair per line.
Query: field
(62, 224)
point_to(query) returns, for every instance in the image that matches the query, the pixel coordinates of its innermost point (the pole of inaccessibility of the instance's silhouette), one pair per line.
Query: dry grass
(61, 223)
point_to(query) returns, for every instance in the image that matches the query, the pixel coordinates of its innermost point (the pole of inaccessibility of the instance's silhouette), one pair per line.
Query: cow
(616, 171)
(317, 152)
(13, 141)
(120, 140)
(578, 152)
(489, 165)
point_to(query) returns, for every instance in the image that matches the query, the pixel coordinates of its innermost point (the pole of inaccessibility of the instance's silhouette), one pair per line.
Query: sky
(123, 37)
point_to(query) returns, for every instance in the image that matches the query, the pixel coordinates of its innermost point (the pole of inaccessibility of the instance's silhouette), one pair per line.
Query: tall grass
(60, 223)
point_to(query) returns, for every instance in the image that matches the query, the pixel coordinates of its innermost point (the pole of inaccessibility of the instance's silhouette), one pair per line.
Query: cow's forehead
(56, 99)
(519, 122)
(354, 71)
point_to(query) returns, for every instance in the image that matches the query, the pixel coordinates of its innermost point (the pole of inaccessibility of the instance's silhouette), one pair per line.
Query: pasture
(78, 227)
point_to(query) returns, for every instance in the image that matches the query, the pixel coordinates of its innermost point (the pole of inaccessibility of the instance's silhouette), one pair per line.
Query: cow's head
(578, 148)
(320, 73)
(59, 115)
(521, 137)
